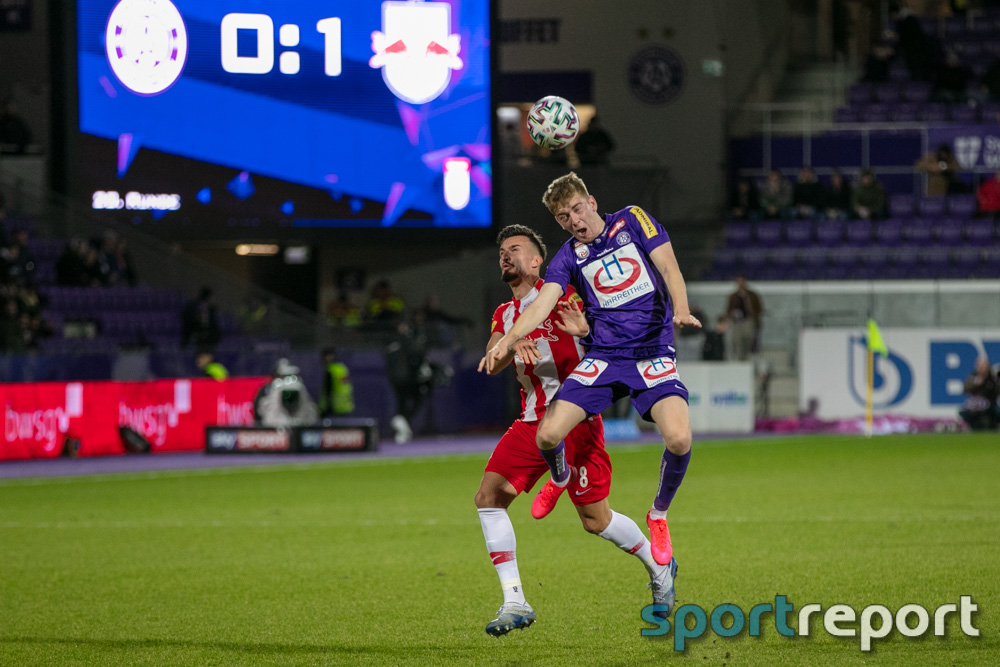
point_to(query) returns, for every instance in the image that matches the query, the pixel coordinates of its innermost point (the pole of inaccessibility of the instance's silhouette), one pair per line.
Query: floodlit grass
(384, 562)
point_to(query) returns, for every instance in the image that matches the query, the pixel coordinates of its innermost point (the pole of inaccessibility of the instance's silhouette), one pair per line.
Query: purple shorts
(597, 382)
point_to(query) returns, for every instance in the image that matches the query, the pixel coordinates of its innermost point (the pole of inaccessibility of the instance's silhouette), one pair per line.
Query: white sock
(502, 545)
(657, 514)
(625, 534)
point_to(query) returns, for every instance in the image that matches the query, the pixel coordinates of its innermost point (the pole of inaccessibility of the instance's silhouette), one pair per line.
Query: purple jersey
(627, 303)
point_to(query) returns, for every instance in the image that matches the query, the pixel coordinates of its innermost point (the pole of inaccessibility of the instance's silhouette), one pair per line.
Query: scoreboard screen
(265, 117)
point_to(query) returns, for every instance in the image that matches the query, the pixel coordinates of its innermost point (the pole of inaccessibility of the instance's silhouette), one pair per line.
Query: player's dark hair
(521, 230)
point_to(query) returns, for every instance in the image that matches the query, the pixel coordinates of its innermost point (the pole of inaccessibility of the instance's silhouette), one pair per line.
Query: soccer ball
(553, 122)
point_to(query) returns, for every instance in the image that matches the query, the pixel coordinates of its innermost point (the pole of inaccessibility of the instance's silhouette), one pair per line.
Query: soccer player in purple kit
(623, 265)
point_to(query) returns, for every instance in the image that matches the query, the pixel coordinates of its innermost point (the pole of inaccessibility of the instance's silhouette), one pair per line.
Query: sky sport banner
(975, 146)
(170, 414)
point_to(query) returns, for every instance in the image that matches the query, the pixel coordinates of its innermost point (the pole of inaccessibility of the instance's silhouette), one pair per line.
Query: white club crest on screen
(457, 188)
(146, 44)
(416, 49)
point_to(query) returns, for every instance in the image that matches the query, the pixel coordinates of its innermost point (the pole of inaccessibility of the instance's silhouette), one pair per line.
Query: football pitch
(383, 561)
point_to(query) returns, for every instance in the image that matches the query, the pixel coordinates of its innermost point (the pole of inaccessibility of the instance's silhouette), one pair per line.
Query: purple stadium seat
(739, 234)
(916, 91)
(933, 112)
(876, 257)
(905, 260)
(963, 113)
(948, 232)
(845, 257)
(901, 205)
(812, 257)
(784, 259)
(990, 266)
(960, 206)
(888, 92)
(845, 115)
(978, 231)
(903, 112)
(935, 261)
(898, 71)
(889, 232)
(768, 233)
(798, 233)
(918, 232)
(859, 233)
(829, 233)
(967, 260)
(953, 27)
(860, 94)
(931, 207)
(725, 262)
(875, 113)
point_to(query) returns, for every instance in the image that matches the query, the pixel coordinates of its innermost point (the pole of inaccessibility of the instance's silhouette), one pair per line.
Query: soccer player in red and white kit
(516, 463)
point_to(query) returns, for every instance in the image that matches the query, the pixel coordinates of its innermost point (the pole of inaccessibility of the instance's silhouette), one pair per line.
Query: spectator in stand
(989, 84)
(440, 325)
(200, 321)
(838, 204)
(744, 309)
(988, 196)
(951, 80)
(116, 261)
(70, 269)
(980, 410)
(920, 51)
(410, 376)
(808, 195)
(337, 396)
(942, 171)
(15, 136)
(210, 368)
(595, 145)
(11, 336)
(714, 348)
(15, 267)
(92, 274)
(385, 310)
(744, 203)
(341, 312)
(869, 201)
(878, 63)
(776, 196)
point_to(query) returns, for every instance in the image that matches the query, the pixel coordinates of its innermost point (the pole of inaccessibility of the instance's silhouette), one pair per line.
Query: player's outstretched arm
(529, 320)
(666, 263)
(501, 363)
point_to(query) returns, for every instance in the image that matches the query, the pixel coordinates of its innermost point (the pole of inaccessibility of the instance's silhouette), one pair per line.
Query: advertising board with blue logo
(923, 375)
(721, 396)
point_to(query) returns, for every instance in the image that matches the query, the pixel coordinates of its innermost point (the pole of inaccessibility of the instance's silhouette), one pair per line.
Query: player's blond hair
(563, 189)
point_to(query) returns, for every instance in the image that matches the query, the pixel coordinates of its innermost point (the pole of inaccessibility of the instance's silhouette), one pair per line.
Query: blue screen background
(345, 135)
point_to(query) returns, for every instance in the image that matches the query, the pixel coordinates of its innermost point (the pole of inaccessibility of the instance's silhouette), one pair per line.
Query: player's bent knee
(546, 437)
(594, 525)
(487, 498)
(677, 441)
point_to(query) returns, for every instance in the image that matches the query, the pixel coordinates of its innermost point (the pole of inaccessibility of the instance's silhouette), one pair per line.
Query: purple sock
(556, 458)
(672, 469)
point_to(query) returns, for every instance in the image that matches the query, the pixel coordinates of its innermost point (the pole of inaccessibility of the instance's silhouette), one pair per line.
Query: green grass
(384, 562)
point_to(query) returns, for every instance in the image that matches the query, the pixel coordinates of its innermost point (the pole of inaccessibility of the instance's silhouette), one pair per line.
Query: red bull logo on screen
(416, 49)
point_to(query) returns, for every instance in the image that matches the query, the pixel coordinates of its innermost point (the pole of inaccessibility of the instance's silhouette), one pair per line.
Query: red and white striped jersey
(560, 354)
